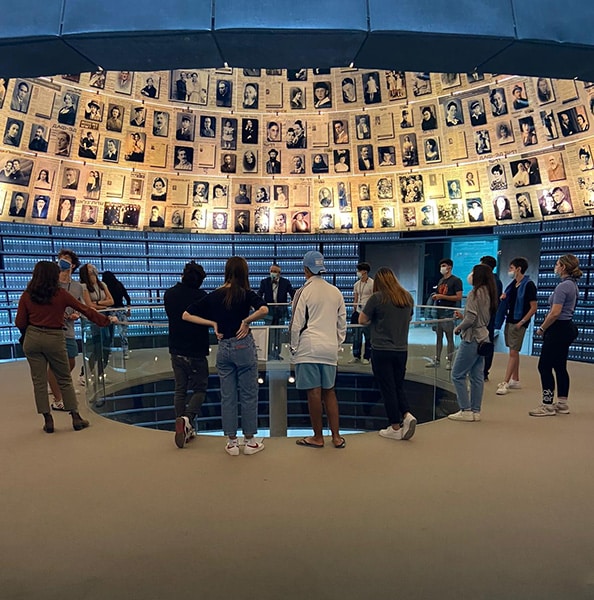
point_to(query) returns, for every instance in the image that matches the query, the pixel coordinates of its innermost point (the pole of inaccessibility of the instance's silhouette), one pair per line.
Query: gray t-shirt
(389, 324)
(75, 289)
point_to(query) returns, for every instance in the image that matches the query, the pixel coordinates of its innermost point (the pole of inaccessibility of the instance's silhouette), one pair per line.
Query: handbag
(355, 318)
(485, 348)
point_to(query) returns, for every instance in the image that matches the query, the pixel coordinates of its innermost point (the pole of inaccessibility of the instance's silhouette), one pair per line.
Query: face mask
(359, 274)
(273, 275)
(64, 265)
(512, 274)
(469, 278)
(443, 270)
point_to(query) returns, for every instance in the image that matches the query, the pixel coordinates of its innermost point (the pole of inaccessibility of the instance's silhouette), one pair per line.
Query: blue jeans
(237, 364)
(469, 363)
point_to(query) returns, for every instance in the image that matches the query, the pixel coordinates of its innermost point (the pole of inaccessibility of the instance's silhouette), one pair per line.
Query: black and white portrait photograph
(474, 208)
(411, 188)
(476, 109)
(498, 102)
(322, 91)
(349, 90)
(505, 133)
(183, 158)
(43, 180)
(297, 165)
(421, 84)
(450, 80)
(497, 178)
(453, 113)
(94, 111)
(572, 121)
(544, 90)
(92, 187)
(88, 214)
(365, 154)
(406, 118)
(70, 178)
(61, 142)
(547, 118)
(386, 156)
(224, 95)
(365, 217)
(67, 112)
(475, 77)
(66, 207)
(385, 188)
(409, 216)
(159, 189)
(16, 170)
(200, 191)
(229, 134)
(123, 82)
(250, 96)
(326, 221)
(408, 147)
(454, 189)
(428, 117)
(340, 131)
(219, 220)
(325, 197)
(184, 130)
(319, 163)
(342, 161)
(249, 161)
(296, 97)
(262, 219)
(13, 132)
(396, 84)
(40, 207)
(450, 213)
(386, 216)
(519, 97)
(249, 131)
(363, 127)
(192, 84)
(135, 144)
(138, 116)
(228, 163)
(157, 216)
(151, 84)
(208, 126)
(427, 215)
(482, 141)
(115, 117)
(524, 202)
(176, 218)
(97, 79)
(371, 87)
(160, 123)
(281, 196)
(502, 208)
(527, 131)
(18, 204)
(3, 89)
(296, 74)
(21, 96)
(432, 150)
(111, 150)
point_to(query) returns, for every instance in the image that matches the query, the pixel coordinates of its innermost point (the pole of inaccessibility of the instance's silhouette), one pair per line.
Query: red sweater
(52, 315)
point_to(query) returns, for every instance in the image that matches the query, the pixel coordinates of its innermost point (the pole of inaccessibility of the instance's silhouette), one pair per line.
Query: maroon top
(52, 315)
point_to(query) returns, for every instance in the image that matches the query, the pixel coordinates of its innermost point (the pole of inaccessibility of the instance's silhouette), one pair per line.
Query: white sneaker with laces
(544, 410)
(409, 424)
(391, 433)
(561, 408)
(462, 415)
(252, 447)
(502, 389)
(432, 364)
(354, 360)
(365, 361)
(182, 425)
(232, 447)
(448, 366)
(476, 416)
(514, 385)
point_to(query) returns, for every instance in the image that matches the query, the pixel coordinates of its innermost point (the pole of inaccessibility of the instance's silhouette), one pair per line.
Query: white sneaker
(182, 429)
(354, 360)
(514, 385)
(408, 426)
(544, 410)
(365, 361)
(502, 389)
(391, 433)
(432, 364)
(476, 416)
(232, 447)
(561, 408)
(252, 447)
(462, 415)
(448, 366)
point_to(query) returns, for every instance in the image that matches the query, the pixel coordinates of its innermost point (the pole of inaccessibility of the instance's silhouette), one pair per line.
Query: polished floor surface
(500, 509)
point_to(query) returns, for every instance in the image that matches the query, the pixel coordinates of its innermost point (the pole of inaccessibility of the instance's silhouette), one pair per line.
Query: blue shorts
(71, 347)
(312, 375)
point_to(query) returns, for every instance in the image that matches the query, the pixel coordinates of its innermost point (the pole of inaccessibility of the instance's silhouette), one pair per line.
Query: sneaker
(502, 389)
(365, 361)
(391, 433)
(462, 415)
(476, 416)
(408, 426)
(232, 447)
(544, 410)
(561, 408)
(251, 447)
(448, 366)
(432, 364)
(182, 425)
(514, 385)
(82, 381)
(354, 360)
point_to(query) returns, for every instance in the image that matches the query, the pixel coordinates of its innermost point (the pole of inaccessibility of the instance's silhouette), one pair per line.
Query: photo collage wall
(294, 151)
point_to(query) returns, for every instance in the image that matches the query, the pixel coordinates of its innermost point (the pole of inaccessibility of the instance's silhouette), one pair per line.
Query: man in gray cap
(317, 330)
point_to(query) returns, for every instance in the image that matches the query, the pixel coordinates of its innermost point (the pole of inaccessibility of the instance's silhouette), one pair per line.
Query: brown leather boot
(48, 427)
(78, 422)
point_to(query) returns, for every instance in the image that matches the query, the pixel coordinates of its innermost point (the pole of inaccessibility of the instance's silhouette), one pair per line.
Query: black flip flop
(341, 445)
(304, 442)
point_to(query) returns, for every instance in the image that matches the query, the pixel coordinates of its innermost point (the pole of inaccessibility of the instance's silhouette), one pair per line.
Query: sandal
(58, 405)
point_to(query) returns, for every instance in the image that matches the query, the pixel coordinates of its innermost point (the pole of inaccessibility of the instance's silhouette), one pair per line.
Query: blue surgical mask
(64, 265)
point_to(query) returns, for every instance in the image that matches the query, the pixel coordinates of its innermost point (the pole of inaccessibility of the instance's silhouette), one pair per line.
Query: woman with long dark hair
(119, 294)
(98, 296)
(558, 331)
(40, 318)
(481, 304)
(388, 313)
(227, 310)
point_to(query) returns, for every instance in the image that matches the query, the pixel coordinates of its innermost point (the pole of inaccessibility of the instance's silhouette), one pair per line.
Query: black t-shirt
(449, 286)
(185, 338)
(529, 296)
(229, 319)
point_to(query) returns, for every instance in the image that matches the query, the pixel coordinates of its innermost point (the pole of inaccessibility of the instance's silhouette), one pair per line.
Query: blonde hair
(571, 264)
(386, 282)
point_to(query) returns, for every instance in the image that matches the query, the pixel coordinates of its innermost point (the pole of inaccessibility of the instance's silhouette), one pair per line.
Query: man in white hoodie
(317, 330)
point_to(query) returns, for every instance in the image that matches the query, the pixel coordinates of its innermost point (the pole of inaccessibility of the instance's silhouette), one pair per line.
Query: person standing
(481, 305)
(362, 291)
(227, 310)
(40, 319)
(449, 293)
(491, 262)
(188, 348)
(317, 330)
(559, 332)
(518, 304)
(388, 313)
(119, 293)
(68, 262)
(276, 290)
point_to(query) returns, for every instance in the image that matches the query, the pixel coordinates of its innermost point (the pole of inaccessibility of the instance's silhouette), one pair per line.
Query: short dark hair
(446, 261)
(363, 266)
(193, 274)
(520, 263)
(490, 261)
(71, 254)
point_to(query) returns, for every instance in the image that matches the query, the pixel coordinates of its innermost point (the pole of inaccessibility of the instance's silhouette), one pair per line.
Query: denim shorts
(71, 347)
(312, 375)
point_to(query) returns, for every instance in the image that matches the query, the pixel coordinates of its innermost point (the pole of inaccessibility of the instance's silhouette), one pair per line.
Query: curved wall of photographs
(294, 151)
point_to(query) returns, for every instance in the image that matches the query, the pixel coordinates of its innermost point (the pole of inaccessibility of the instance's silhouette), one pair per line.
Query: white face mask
(511, 273)
(443, 270)
(273, 275)
(469, 278)
(359, 274)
